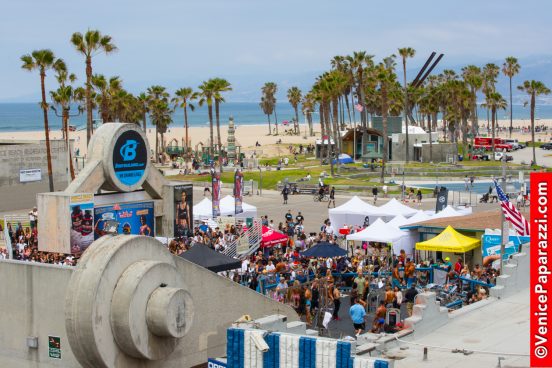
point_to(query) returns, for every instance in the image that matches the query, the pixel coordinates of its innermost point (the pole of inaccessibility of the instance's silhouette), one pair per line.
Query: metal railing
(247, 243)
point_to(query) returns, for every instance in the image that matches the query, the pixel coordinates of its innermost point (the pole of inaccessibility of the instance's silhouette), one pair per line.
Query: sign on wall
(82, 222)
(30, 175)
(130, 218)
(130, 157)
(490, 245)
(183, 209)
(54, 347)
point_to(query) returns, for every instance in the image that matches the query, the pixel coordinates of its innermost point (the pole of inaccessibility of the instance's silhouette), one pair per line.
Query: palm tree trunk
(533, 127)
(46, 131)
(89, 124)
(210, 110)
(353, 108)
(144, 122)
(217, 113)
(407, 147)
(187, 142)
(511, 108)
(346, 98)
(429, 123)
(329, 133)
(384, 123)
(337, 135)
(493, 114)
(296, 125)
(269, 126)
(67, 147)
(275, 119)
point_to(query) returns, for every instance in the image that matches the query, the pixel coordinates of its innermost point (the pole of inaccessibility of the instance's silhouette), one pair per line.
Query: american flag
(511, 213)
(358, 107)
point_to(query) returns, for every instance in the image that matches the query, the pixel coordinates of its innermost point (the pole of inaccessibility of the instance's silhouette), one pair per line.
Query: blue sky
(178, 43)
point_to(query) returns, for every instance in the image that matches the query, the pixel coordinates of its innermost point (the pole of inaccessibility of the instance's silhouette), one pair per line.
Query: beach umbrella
(271, 237)
(285, 122)
(325, 250)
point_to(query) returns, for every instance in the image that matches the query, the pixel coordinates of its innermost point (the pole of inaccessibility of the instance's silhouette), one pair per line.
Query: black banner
(442, 199)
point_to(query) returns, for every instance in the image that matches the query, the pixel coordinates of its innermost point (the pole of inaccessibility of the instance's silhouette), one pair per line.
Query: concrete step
(410, 322)
(296, 327)
(311, 332)
(418, 310)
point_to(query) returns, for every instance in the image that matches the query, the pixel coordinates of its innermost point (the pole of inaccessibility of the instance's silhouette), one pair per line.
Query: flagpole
(505, 227)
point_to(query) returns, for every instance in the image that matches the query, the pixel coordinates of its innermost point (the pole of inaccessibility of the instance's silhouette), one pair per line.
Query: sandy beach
(247, 136)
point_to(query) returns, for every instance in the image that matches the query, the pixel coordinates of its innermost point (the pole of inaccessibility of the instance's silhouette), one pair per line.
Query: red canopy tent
(272, 237)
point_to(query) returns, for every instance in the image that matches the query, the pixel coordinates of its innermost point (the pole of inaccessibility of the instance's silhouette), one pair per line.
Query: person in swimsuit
(182, 216)
(144, 228)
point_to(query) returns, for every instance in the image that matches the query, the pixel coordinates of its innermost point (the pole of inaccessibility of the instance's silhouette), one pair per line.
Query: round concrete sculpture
(124, 152)
(126, 303)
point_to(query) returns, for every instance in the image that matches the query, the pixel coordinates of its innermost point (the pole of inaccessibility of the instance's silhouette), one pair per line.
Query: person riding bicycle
(321, 191)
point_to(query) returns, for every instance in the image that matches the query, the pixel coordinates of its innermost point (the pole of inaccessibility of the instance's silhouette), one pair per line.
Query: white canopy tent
(204, 209)
(419, 217)
(448, 211)
(227, 208)
(394, 207)
(381, 232)
(398, 221)
(354, 212)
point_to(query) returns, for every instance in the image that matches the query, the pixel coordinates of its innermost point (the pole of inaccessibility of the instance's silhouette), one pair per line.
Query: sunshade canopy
(379, 231)
(449, 240)
(394, 207)
(204, 256)
(272, 237)
(324, 250)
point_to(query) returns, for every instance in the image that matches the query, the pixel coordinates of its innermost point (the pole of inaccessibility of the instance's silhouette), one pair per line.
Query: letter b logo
(128, 150)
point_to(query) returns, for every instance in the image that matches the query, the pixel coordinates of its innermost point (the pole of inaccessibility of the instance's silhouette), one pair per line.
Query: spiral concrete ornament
(126, 304)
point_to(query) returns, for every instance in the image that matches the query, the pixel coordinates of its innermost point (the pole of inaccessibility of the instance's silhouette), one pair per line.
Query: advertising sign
(29, 175)
(490, 245)
(238, 191)
(214, 363)
(130, 157)
(215, 182)
(54, 347)
(442, 200)
(131, 218)
(82, 222)
(183, 208)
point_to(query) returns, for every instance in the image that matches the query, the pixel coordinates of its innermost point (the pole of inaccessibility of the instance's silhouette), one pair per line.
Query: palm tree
(405, 53)
(90, 44)
(268, 108)
(490, 73)
(294, 97)
(206, 96)
(510, 68)
(142, 103)
(533, 88)
(269, 93)
(42, 60)
(386, 79)
(158, 97)
(494, 101)
(220, 85)
(63, 97)
(182, 98)
(472, 77)
(309, 104)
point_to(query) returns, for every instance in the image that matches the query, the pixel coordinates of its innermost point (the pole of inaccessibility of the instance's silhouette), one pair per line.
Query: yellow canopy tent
(449, 240)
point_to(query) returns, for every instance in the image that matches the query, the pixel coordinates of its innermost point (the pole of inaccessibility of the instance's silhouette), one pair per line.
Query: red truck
(487, 144)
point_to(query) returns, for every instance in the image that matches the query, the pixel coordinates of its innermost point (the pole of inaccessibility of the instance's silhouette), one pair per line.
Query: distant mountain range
(246, 87)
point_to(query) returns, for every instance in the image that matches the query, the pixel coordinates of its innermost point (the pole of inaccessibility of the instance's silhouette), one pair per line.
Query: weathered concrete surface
(32, 301)
(16, 195)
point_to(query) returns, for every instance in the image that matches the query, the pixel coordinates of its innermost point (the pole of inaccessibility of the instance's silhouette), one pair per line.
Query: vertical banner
(215, 181)
(238, 191)
(442, 199)
(540, 331)
(82, 222)
(183, 208)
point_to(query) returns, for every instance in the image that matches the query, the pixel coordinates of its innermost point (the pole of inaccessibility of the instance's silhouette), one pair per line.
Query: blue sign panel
(490, 245)
(132, 218)
(130, 157)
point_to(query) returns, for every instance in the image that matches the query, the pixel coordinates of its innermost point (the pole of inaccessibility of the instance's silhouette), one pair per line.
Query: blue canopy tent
(324, 250)
(344, 159)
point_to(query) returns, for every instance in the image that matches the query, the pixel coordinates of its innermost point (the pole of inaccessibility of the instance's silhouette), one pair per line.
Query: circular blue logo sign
(130, 157)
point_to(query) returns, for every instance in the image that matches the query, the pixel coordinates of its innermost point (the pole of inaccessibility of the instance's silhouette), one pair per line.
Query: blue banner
(132, 218)
(490, 245)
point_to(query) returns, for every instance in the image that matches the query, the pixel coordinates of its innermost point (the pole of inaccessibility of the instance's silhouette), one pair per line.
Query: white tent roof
(394, 207)
(419, 217)
(397, 221)
(448, 211)
(203, 209)
(357, 206)
(379, 231)
(228, 203)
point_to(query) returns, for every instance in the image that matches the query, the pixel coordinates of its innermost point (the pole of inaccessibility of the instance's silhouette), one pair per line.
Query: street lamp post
(260, 180)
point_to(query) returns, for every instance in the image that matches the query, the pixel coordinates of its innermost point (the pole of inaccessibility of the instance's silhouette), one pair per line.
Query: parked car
(481, 157)
(515, 144)
(500, 155)
(547, 146)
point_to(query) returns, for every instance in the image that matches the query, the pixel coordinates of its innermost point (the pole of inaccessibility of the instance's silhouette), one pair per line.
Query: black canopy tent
(214, 261)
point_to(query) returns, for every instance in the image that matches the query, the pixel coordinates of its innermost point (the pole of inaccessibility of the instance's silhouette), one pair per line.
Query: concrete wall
(32, 301)
(440, 151)
(14, 157)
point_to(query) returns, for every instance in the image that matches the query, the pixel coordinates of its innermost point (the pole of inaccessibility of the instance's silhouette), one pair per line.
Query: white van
(515, 144)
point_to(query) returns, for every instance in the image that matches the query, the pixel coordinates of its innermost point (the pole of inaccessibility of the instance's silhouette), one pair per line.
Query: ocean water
(28, 116)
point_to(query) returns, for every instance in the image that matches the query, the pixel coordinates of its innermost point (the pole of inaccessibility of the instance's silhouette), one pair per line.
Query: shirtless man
(389, 296)
(379, 318)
